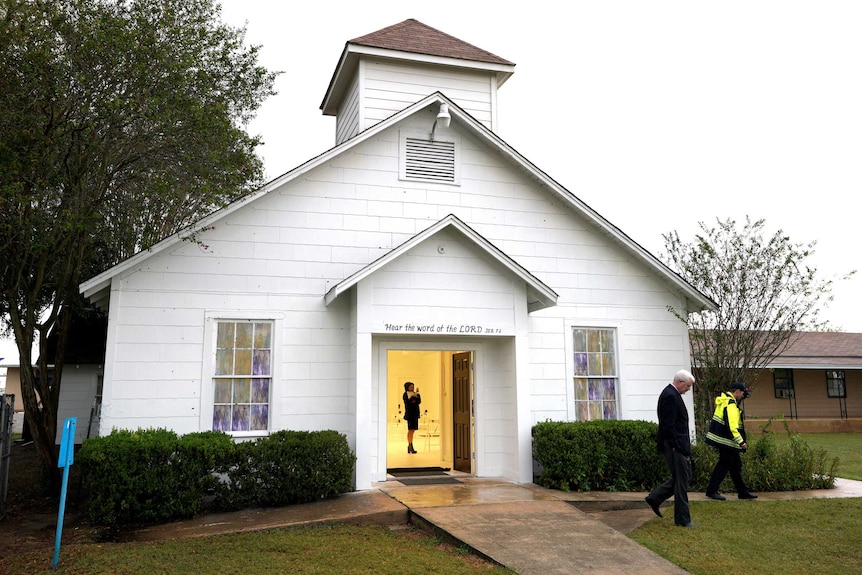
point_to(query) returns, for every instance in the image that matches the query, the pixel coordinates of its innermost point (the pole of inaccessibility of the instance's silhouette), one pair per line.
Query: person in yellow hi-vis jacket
(727, 433)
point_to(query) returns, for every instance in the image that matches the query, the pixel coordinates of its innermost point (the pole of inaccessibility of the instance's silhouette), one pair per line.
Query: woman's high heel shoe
(410, 449)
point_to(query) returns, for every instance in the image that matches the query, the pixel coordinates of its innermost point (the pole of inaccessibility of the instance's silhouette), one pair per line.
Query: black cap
(741, 387)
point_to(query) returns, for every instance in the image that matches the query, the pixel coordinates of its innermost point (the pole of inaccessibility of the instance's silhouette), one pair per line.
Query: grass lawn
(762, 537)
(771, 537)
(341, 549)
(846, 446)
(752, 537)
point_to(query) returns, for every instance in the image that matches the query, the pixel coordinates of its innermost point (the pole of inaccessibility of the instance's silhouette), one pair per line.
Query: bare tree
(765, 290)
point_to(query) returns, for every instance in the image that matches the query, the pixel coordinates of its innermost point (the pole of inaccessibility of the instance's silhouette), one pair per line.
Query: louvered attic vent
(429, 161)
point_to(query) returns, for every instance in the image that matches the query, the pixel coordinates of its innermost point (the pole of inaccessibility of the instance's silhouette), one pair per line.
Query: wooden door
(462, 410)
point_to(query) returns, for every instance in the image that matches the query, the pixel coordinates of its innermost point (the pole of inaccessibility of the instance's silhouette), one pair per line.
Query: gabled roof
(539, 296)
(822, 350)
(414, 36)
(410, 40)
(97, 288)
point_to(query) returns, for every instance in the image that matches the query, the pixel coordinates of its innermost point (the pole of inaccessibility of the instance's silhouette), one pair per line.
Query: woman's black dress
(411, 410)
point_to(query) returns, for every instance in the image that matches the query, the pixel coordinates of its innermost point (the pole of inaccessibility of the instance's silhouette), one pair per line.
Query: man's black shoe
(689, 524)
(747, 496)
(653, 506)
(717, 496)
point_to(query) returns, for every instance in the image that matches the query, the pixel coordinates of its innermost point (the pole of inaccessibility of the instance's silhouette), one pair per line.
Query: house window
(596, 376)
(835, 384)
(243, 376)
(782, 381)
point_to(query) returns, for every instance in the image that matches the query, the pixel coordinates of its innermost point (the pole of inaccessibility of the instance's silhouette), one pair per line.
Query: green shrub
(288, 467)
(136, 477)
(203, 455)
(613, 455)
(154, 476)
(769, 465)
(622, 456)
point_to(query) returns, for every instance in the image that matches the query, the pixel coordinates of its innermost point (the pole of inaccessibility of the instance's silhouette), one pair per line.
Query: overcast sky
(656, 114)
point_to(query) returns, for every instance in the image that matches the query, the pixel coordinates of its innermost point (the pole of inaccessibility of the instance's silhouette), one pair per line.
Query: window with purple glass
(595, 378)
(243, 374)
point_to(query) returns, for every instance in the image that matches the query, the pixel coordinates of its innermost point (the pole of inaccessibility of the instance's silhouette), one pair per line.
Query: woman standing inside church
(412, 399)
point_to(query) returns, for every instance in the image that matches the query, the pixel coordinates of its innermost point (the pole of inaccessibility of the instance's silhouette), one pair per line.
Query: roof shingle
(414, 36)
(823, 348)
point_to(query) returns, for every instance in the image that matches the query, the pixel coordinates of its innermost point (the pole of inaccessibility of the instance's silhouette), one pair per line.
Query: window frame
(832, 376)
(573, 411)
(208, 376)
(784, 391)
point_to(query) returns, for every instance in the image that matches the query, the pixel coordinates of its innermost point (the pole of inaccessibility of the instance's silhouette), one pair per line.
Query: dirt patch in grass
(30, 524)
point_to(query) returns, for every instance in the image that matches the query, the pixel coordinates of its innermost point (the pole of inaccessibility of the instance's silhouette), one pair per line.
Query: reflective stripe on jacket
(726, 428)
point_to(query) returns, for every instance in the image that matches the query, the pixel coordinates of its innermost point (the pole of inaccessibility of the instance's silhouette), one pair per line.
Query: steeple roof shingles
(416, 37)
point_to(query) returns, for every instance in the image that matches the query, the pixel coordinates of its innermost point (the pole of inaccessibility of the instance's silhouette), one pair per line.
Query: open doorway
(446, 425)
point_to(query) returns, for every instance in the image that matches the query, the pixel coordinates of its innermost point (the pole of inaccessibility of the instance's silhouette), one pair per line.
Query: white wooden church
(422, 248)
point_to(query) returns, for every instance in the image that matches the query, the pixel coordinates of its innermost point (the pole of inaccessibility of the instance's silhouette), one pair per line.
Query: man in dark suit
(674, 441)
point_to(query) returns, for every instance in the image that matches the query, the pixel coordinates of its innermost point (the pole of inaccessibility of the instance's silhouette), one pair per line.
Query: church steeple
(383, 72)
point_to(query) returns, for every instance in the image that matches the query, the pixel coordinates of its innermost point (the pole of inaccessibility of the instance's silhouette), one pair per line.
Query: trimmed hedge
(288, 467)
(134, 477)
(613, 455)
(622, 456)
(155, 476)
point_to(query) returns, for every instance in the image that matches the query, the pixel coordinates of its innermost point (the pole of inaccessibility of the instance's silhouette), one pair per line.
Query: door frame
(383, 346)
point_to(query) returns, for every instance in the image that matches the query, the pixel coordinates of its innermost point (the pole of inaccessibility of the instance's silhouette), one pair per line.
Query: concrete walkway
(529, 529)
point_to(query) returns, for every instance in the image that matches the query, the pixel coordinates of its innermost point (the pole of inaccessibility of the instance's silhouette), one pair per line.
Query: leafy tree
(765, 293)
(123, 122)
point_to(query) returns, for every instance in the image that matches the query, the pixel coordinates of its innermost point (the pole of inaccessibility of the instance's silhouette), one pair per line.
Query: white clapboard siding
(277, 257)
(347, 123)
(77, 394)
(383, 87)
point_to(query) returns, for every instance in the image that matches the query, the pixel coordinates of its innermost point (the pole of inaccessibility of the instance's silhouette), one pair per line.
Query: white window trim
(571, 411)
(211, 319)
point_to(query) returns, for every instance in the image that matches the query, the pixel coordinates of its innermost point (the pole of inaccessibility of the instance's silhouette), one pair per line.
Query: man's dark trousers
(728, 460)
(677, 485)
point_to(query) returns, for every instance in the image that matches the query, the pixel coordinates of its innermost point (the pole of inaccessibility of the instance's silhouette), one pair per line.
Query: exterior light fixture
(443, 117)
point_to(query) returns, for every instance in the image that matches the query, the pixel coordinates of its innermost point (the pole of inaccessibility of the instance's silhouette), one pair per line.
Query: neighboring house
(80, 391)
(818, 376)
(422, 247)
(13, 388)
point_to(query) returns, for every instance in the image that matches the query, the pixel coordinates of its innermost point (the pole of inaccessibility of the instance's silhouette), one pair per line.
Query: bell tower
(382, 73)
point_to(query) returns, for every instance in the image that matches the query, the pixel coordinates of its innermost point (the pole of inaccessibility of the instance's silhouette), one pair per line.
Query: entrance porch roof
(539, 295)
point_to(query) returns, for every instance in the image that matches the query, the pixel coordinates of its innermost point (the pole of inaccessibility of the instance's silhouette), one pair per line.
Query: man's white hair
(683, 376)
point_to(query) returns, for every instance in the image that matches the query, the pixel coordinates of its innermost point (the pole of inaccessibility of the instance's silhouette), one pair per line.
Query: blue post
(67, 457)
